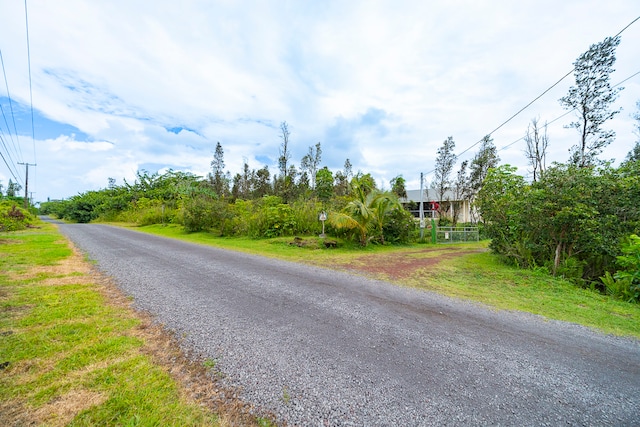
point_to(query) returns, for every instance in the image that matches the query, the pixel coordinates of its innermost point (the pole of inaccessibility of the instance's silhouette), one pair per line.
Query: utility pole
(421, 207)
(26, 183)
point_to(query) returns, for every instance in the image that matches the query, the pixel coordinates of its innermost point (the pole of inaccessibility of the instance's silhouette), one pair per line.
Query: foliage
(536, 150)
(217, 177)
(13, 218)
(625, 283)
(273, 219)
(324, 184)
(310, 163)
(13, 188)
(364, 217)
(198, 207)
(399, 227)
(445, 162)
(591, 98)
(571, 221)
(399, 187)
(252, 209)
(485, 159)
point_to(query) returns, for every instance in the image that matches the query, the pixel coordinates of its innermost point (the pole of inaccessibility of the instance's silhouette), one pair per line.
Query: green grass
(484, 278)
(61, 341)
(478, 276)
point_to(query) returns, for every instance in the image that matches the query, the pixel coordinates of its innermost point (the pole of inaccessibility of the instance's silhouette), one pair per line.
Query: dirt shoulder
(400, 265)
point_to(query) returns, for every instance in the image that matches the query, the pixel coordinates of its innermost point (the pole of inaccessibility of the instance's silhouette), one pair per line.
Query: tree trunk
(556, 261)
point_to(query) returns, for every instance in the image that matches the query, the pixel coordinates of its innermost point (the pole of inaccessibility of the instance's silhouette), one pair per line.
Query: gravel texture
(322, 348)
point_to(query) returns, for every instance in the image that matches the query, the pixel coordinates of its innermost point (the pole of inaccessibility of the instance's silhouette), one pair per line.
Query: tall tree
(310, 163)
(283, 161)
(445, 162)
(217, 177)
(324, 184)
(343, 178)
(348, 169)
(398, 187)
(262, 182)
(536, 150)
(592, 97)
(485, 159)
(634, 154)
(460, 190)
(13, 188)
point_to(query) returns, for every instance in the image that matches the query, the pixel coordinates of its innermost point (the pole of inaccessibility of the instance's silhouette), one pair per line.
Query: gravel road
(324, 348)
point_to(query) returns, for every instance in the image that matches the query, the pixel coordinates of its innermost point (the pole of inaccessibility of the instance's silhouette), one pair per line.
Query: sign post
(323, 218)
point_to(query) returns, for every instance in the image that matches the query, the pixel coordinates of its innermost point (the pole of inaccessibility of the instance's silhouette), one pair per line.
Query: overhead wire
(568, 112)
(33, 129)
(10, 162)
(17, 150)
(534, 100)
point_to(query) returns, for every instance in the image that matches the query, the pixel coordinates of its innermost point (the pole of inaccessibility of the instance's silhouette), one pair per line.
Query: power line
(17, 151)
(33, 132)
(8, 161)
(519, 111)
(33, 128)
(536, 98)
(568, 112)
(5, 160)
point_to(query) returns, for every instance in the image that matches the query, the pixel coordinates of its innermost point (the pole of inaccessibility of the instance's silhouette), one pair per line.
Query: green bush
(625, 283)
(13, 218)
(399, 227)
(569, 221)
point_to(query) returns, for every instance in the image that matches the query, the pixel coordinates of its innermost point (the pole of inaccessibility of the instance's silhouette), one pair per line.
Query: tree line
(575, 219)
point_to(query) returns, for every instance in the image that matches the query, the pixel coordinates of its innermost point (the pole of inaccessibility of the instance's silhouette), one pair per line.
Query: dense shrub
(625, 283)
(13, 218)
(399, 227)
(571, 221)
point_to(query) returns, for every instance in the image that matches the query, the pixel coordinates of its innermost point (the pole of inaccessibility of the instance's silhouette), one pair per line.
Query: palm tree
(365, 214)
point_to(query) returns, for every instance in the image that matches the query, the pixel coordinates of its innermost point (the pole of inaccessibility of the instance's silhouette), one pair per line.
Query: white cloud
(123, 73)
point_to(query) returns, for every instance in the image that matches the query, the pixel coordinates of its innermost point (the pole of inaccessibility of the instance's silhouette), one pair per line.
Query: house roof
(429, 195)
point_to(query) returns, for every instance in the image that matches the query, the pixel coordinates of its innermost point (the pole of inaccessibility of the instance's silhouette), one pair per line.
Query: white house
(450, 206)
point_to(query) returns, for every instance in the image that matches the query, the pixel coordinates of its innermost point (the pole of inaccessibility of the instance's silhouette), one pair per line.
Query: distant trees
(536, 150)
(342, 179)
(445, 162)
(399, 186)
(217, 176)
(283, 161)
(591, 98)
(13, 188)
(634, 154)
(310, 163)
(461, 190)
(485, 159)
(324, 185)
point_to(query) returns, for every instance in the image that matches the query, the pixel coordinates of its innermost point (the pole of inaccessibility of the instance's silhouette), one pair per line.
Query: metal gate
(457, 235)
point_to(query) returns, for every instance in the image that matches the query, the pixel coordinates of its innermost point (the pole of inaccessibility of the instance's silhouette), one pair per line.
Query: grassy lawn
(466, 271)
(72, 351)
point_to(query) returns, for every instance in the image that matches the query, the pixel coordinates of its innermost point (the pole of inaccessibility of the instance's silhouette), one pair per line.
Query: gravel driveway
(319, 347)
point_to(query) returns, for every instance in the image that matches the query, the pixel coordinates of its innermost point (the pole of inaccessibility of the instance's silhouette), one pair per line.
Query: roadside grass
(476, 275)
(484, 278)
(312, 250)
(73, 352)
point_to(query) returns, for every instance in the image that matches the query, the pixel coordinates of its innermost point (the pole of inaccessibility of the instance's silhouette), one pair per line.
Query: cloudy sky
(124, 85)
